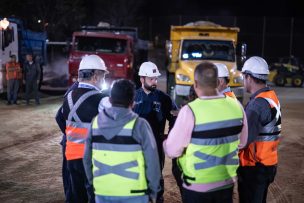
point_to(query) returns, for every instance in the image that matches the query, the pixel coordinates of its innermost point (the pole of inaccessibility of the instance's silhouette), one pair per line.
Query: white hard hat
(257, 67)
(222, 70)
(148, 69)
(92, 62)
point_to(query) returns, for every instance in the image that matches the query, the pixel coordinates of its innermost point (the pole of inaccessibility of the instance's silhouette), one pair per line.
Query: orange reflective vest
(13, 71)
(76, 130)
(264, 149)
(230, 94)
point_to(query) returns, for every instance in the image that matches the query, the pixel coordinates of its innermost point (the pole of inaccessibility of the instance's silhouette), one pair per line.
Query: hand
(174, 112)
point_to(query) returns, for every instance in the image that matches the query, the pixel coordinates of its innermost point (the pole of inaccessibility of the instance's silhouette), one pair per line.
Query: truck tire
(297, 81)
(179, 100)
(280, 80)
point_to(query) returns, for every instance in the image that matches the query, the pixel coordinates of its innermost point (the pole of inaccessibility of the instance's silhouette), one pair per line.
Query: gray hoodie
(111, 121)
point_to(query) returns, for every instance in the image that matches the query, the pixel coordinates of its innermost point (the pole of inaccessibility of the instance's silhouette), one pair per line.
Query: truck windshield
(98, 44)
(208, 50)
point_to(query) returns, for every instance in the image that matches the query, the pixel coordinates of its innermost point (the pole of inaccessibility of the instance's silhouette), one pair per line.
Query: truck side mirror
(241, 50)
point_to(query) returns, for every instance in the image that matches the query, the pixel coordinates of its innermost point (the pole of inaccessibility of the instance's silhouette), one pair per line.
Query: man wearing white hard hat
(155, 106)
(258, 161)
(80, 106)
(223, 80)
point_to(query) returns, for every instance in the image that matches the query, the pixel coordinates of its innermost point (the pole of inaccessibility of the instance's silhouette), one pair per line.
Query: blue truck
(17, 40)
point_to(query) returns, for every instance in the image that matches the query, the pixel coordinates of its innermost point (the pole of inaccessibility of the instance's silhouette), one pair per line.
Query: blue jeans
(12, 90)
(82, 191)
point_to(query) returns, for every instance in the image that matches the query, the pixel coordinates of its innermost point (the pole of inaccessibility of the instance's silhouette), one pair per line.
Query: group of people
(114, 145)
(29, 74)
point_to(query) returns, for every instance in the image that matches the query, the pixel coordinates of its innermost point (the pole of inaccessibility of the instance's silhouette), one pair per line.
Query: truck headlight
(238, 79)
(183, 78)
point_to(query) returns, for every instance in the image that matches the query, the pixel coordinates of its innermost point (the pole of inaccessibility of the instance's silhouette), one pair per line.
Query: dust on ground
(30, 154)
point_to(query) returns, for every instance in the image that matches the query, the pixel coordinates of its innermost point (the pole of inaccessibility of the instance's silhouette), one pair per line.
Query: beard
(151, 88)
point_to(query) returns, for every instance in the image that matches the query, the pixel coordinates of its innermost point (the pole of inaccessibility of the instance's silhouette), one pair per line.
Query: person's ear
(94, 78)
(142, 80)
(195, 84)
(132, 105)
(110, 100)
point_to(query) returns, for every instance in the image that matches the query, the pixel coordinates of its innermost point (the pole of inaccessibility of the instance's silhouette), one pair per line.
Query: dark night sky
(224, 7)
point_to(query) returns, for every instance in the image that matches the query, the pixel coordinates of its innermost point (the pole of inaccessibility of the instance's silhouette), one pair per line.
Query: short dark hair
(256, 80)
(88, 74)
(122, 93)
(206, 75)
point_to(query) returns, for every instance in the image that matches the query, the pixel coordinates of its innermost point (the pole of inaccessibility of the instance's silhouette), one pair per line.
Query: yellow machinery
(197, 42)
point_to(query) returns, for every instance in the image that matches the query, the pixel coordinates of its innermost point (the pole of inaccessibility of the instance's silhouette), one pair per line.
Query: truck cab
(115, 49)
(193, 44)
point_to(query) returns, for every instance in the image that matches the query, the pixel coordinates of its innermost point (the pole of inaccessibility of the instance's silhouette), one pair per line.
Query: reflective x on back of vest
(76, 131)
(211, 155)
(264, 149)
(118, 163)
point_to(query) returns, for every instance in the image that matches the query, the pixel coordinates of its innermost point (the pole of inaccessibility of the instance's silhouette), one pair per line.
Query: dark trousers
(12, 90)
(161, 154)
(82, 191)
(253, 182)
(177, 173)
(31, 88)
(219, 196)
(67, 186)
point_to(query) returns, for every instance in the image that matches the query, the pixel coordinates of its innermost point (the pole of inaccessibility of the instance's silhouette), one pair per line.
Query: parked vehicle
(18, 40)
(289, 70)
(119, 47)
(194, 43)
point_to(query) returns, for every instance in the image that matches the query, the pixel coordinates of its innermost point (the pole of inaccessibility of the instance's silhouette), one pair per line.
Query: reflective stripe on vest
(118, 163)
(211, 155)
(264, 149)
(76, 131)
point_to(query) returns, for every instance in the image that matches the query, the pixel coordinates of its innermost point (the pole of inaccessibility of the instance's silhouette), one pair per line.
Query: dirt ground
(30, 154)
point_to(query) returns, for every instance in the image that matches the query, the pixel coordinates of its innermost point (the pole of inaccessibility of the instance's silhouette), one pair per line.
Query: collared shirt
(180, 136)
(258, 114)
(87, 85)
(227, 89)
(155, 107)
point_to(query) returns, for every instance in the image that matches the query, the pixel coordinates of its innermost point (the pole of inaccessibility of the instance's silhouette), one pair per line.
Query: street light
(4, 24)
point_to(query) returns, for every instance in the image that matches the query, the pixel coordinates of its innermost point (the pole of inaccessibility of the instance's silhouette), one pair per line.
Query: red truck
(118, 47)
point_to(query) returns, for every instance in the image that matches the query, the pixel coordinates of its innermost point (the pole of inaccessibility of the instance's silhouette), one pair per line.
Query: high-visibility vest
(264, 149)
(230, 94)
(212, 154)
(13, 71)
(118, 163)
(76, 131)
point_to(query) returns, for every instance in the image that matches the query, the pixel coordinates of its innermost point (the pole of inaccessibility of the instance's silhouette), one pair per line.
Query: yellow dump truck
(197, 42)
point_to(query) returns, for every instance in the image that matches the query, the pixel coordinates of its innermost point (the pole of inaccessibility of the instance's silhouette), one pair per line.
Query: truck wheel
(297, 81)
(279, 80)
